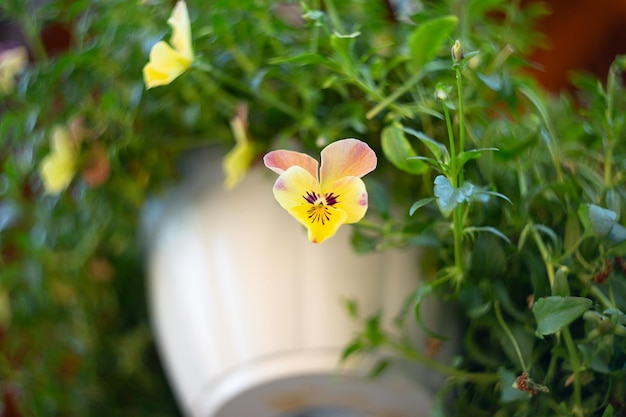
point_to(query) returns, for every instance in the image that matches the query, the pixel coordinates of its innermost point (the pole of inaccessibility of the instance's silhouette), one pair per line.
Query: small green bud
(441, 94)
(442, 91)
(457, 52)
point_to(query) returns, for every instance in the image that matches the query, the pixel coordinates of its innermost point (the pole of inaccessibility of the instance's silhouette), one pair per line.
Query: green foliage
(554, 313)
(528, 223)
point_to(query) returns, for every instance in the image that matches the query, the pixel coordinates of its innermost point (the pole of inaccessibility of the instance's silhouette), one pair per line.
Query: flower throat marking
(319, 206)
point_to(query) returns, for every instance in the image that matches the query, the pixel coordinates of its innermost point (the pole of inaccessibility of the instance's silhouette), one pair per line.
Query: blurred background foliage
(75, 336)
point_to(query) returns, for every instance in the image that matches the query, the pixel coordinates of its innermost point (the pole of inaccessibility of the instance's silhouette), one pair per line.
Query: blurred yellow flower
(12, 61)
(58, 168)
(238, 160)
(168, 62)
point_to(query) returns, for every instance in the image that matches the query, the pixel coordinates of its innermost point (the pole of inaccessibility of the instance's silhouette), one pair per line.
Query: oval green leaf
(554, 313)
(398, 149)
(426, 41)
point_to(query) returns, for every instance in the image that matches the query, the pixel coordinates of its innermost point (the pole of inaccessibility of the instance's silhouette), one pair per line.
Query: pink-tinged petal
(321, 222)
(346, 158)
(280, 161)
(292, 186)
(351, 197)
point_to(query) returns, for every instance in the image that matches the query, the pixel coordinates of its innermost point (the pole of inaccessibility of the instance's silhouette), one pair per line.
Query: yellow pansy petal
(58, 168)
(238, 160)
(164, 66)
(236, 163)
(321, 221)
(181, 30)
(351, 197)
(61, 142)
(57, 171)
(292, 186)
(346, 158)
(280, 161)
(12, 61)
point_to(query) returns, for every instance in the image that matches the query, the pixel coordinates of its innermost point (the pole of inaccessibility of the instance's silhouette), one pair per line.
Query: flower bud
(457, 52)
(442, 91)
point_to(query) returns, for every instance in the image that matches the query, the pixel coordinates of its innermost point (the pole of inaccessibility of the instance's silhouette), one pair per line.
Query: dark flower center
(319, 211)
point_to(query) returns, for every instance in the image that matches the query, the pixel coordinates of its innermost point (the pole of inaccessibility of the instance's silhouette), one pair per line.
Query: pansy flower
(323, 202)
(168, 62)
(238, 159)
(12, 61)
(58, 168)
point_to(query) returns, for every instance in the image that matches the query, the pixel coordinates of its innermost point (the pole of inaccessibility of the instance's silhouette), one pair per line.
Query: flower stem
(451, 372)
(545, 256)
(509, 334)
(33, 38)
(459, 88)
(606, 303)
(457, 214)
(573, 357)
(390, 99)
(609, 126)
(334, 15)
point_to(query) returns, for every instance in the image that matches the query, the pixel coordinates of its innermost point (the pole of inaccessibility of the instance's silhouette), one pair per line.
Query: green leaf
(465, 156)
(493, 81)
(352, 307)
(496, 194)
(601, 220)
(488, 229)
(419, 204)
(476, 8)
(397, 150)
(351, 349)
(439, 151)
(422, 292)
(572, 231)
(307, 58)
(373, 333)
(604, 225)
(553, 313)
(608, 412)
(448, 197)
(379, 368)
(426, 41)
(342, 45)
(560, 287)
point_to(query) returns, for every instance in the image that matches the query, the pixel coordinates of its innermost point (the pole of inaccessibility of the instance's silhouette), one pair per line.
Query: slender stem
(509, 334)
(608, 160)
(403, 89)
(573, 248)
(453, 174)
(551, 369)
(31, 30)
(608, 145)
(459, 88)
(482, 377)
(606, 303)
(573, 357)
(457, 214)
(315, 32)
(334, 16)
(544, 254)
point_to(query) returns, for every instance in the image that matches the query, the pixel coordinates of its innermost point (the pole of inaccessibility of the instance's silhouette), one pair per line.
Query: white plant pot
(249, 315)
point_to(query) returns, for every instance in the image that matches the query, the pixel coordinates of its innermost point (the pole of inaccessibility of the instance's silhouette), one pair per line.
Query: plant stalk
(573, 357)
